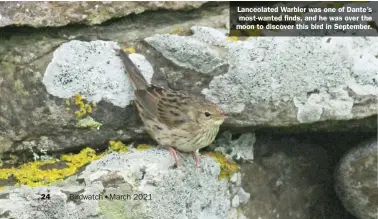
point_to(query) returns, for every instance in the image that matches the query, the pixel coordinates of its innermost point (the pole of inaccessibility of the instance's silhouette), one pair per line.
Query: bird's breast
(184, 140)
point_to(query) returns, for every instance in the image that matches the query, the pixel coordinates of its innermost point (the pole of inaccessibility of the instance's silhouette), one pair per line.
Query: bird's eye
(207, 114)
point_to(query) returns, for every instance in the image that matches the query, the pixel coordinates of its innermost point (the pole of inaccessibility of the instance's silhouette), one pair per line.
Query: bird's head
(209, 114)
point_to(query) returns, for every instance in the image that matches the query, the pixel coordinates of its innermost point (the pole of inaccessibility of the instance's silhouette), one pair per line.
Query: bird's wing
(166, 106)
(135, 76)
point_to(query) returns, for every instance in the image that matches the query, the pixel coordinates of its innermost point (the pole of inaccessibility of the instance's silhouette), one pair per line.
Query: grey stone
(356, 180)
(268, 84)
(188, 52)
(239, 149)
(44, 14)
(288, 179)
(33, 99)
(243, 196)
(235, 201)
(267, 73)
(186, 192)
(216, 37)
(93, 70)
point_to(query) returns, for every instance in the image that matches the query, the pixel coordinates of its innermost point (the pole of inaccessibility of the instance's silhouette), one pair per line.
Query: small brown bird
(176, 120)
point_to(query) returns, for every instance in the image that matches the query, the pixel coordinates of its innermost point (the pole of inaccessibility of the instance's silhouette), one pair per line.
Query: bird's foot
(196, 158)
(174, 153)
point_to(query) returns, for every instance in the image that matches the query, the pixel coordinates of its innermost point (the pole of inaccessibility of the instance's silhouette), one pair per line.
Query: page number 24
(45, 196)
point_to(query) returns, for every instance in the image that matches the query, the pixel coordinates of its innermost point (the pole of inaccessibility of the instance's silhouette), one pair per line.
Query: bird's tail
(136, 77)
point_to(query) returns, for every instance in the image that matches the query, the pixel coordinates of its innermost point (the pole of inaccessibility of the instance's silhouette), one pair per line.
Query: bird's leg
(173, 152)
(180, 154)
(196, 158)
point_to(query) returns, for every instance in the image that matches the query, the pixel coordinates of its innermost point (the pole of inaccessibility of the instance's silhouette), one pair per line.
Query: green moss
(9, 69)
(19, 86)
(88, 122)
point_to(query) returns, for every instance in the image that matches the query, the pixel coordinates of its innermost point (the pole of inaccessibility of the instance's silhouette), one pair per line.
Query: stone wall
(300, 140)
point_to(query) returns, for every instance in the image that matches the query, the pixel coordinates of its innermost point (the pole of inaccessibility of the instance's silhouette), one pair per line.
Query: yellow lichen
(129, 50)
(31, 174)
(253, 32)
(178, 31)
(81, 105)
(243, 33)
(68, 103)
(94, 105)
(5, 173)
(233, 38)
(68, 109)
(85, 156)
(143, 147)
(80, 113)
(88, 108)
(117, 146)
(78, 99)
(84, 108)
(2, 187)
(228, 168)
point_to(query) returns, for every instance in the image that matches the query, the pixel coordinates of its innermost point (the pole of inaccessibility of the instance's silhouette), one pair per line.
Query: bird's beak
(224, 116)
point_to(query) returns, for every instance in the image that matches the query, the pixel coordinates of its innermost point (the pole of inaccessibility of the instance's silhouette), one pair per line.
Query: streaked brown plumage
(174, 119)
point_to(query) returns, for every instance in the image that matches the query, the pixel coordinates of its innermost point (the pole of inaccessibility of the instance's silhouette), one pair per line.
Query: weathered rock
(31, 116)
(268, 84)
(188, 52)
(289, 179)
(186, 192)
(93, 70)
(332, 32)
(240, 149)
(356, 180)
(54, 14)
(33, 119)
(260, 82)
(29, 113)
